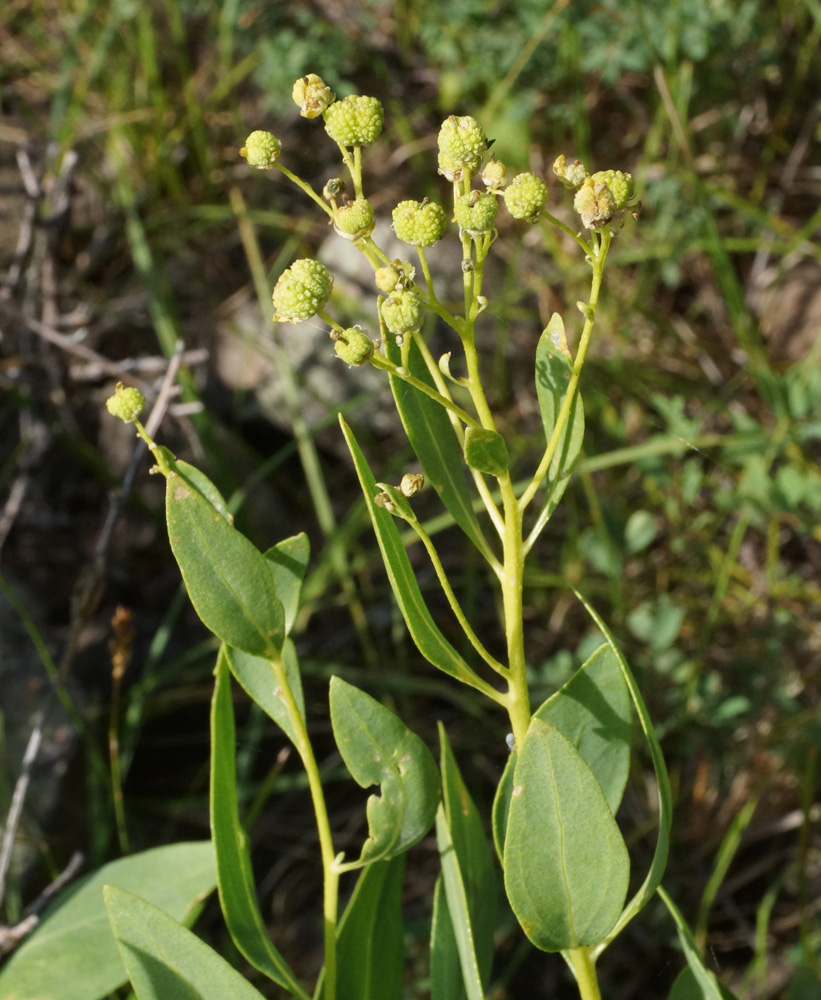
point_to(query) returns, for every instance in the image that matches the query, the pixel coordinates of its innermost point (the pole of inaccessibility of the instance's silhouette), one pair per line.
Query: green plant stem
(512, 579)
(599, 260)
(588, 250)
(380, 361)
(304, 186)
(478, 478)
(585, 970)
(453, 602)
(330, 892)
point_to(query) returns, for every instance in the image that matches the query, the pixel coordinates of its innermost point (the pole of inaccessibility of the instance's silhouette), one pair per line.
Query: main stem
(330, 894)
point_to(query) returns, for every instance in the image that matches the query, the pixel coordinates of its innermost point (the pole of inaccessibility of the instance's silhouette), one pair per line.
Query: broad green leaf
(288, 560)
(228, 580)
(379, 749)
(434, 441)
(429, 640)
(654, 875)
(565, 862)
(258, 678)
(475, 907)
(370, 949)
(235, 877)
(164, 960)
(452, 917)
(553, 368)
(687, 987)
(486, 451)
(593, 711)
(706, 984)
(72, 955)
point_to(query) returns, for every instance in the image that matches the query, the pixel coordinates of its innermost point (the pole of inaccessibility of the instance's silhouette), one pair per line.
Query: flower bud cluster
(353, 346)
(598, 196)
(261, 150)
(475, 212)
(301, 291)
(354, 221)
(402, 312)
(127, 403)
(525, 197)
(354, 121)
(420, 223)
(462, 144)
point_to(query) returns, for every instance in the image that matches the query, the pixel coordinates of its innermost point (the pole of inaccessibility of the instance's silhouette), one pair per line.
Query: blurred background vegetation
(129, 223)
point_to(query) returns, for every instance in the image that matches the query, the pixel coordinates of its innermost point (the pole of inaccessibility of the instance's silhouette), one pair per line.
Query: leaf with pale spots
(379, 749)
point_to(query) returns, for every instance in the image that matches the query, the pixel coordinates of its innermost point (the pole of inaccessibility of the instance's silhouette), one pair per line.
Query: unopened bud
(261, 150)
(127, 403)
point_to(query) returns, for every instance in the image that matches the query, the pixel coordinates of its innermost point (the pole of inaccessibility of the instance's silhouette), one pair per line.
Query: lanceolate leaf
(228, 580)
(429, 640)
(566, 864)
(258, 678)
(434, 441)
(378, 749)
(235, 877)
(553, 367)
(471, 916)
(701, 984)
(370, 945)
(455, 903)
(164, 960)
(593, 712)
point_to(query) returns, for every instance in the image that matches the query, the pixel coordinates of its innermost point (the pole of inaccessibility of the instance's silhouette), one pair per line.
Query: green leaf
(486, 451)
(371, 939)
(72, 955)
(553, 369)
(378, 749)
(452, 915)
(657, 866)
(593, 711)
(257, 677)
(228, 580)
(687, 987)
(566, 864)
(706, 985)
(427, 637)
(288, 561)
(164, 960)
(202, 484)
(235, 877)
(434, 441)
(466, 914)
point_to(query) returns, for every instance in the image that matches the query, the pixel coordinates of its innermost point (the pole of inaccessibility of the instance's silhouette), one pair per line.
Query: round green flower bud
(476, 211)
(595, 204)
(403, 312)
(420, 223)
(571, 175)
(353, 346)
(354, 121)
(127, 403)
(462, 139)
(354, 220)
(312, 95)
(388, 279)
(620, 185)
(302, 291)
(525, 197)
(494, 175)
(261, 150)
